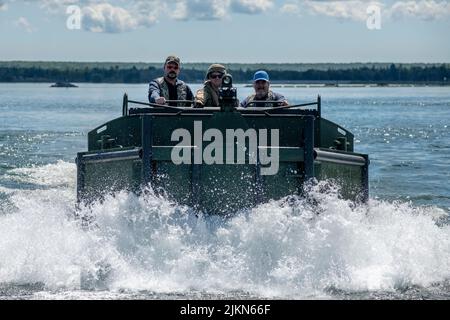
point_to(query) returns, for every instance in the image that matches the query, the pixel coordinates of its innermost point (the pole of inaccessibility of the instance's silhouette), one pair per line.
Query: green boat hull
(137, 150)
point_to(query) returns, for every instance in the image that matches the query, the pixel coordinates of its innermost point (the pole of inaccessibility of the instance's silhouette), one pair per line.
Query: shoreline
(273, 84)
(354, 85)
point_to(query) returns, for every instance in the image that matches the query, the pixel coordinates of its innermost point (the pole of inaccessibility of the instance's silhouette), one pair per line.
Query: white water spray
(278, 249)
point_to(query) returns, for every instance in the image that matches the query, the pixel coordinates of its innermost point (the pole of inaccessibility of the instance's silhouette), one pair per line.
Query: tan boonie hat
(173, 59)
(216, 68)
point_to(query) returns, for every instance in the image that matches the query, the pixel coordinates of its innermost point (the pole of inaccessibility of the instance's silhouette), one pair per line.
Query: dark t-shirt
(173, 94)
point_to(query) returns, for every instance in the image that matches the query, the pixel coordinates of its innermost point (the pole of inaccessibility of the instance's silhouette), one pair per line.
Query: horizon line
(206, 62)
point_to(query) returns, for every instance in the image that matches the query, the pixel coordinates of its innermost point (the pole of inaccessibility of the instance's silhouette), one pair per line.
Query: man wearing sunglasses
(169, 87)
(263, 96)
(209, 94)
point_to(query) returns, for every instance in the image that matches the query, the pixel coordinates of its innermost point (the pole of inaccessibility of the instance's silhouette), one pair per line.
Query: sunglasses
(171, 67)
(216, 76)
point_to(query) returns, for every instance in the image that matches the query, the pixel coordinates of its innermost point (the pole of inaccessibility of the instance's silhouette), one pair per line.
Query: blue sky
(226, 30)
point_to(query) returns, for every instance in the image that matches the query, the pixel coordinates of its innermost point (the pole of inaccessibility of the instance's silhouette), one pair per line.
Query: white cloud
(200, 10)
(24, 24)
(3, 6)
(101, 16)
(290, 8)
(114, 16)
(217, 9)
(251, 6)
(424, 9)
(346, 10)
(55, 6)
(356, 10)
(148, 11)
(107, 18)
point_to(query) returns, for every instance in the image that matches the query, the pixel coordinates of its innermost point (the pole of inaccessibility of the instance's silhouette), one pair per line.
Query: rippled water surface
(395, 247)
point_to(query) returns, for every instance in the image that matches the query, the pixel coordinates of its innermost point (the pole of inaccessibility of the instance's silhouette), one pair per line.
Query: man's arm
(200, 98)
(154, 93)
(281, 98)
(244, 103)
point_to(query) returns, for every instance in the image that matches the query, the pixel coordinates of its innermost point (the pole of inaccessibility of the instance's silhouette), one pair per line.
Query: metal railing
(265, 110)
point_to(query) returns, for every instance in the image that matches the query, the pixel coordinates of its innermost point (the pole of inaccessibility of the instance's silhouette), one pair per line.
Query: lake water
(395, 247)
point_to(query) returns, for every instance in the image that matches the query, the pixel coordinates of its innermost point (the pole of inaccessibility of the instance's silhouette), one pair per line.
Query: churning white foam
(55, 174)
(291, 248)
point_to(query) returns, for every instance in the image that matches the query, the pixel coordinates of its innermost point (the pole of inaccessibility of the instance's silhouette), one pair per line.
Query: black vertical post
(195, 180)
(258, 179)
(125, 105)
(365, 179)
(318, 142)
(146, 149)
(81, 168)
(196, 168)
(308, 147)
(319, 105)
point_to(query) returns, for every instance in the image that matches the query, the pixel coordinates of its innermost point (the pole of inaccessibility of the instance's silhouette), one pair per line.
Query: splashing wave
(290, 248)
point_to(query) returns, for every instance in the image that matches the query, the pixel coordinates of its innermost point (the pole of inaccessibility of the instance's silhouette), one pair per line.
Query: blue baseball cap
(260, 75)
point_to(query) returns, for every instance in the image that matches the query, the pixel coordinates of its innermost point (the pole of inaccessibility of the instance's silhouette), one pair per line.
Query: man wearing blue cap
(263, 96)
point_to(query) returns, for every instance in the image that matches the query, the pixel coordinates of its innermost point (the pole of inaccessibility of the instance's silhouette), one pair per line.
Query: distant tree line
(114, 74)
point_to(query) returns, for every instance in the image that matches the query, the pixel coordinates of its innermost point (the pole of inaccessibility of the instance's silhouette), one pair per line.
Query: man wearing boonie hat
(169, 87)
(261, 84)
(209, 94)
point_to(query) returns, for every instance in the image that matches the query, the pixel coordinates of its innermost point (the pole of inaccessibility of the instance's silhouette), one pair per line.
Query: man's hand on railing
(160, 100)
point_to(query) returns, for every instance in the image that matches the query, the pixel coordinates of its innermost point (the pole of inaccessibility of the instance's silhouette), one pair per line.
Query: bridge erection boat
(219, 159)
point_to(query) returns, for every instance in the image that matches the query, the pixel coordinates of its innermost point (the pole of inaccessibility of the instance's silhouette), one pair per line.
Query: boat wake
(315, 247)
